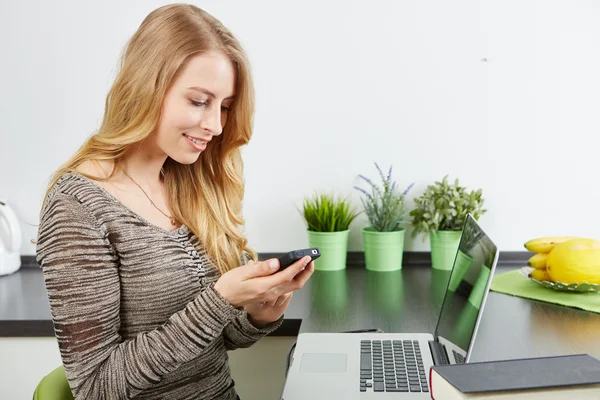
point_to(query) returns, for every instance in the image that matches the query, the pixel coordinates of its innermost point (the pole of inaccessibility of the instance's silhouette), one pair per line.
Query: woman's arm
(241, 333)
(82, 281)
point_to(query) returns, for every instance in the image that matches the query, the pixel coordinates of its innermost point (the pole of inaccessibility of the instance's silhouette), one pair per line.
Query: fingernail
(307, 260)
(273, 264)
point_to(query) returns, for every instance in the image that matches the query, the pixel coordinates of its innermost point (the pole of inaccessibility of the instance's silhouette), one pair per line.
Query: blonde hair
(207, 195)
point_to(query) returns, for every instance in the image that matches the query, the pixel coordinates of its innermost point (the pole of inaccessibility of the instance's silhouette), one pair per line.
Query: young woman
(139, 238)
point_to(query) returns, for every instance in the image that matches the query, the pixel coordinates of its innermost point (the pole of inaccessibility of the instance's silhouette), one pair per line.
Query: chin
(185, 158)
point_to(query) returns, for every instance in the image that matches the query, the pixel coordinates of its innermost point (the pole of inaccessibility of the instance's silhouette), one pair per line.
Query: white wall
(341, 84)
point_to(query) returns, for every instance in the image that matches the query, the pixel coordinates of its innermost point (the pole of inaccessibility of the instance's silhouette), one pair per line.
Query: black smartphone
(293, 256)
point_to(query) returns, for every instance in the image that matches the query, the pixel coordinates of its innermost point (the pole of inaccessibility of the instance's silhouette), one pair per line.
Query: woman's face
(195, 107)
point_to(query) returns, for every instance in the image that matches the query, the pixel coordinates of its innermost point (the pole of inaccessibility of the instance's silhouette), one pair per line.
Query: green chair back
(54, 386)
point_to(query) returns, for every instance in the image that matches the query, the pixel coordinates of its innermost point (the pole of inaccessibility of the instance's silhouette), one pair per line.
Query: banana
(545, 244)
(538, 261)
(540, 275)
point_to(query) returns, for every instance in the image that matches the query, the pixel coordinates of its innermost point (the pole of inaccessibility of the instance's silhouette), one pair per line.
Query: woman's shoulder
(84, 178)
(101, 169)
(80, 185)
(73, 184)
(72, 211)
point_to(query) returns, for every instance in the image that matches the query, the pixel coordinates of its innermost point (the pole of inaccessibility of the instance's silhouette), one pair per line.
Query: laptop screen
(473, 268)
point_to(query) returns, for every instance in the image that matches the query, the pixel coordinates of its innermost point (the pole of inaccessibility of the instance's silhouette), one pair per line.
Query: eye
(199, 103)
(224, 109)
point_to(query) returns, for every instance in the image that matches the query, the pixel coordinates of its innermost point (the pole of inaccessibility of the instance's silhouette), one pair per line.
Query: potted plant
(441, 212)
(469, 238)
(330, 293)
(384, 237)
(328, 218)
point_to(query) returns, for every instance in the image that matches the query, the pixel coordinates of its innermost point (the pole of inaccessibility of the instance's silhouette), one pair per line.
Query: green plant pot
(463, 262)
(333, 247)
(383, 250)
(464, 325)
(438, 285)
(444, 245)
(329, 290)
(385, 292)
(476, 296)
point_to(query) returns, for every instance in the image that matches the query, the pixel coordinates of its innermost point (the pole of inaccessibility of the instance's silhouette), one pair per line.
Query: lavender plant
(384, 205)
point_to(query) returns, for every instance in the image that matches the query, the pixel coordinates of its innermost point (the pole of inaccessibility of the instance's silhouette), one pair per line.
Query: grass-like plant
(327, 213)
(384, 206)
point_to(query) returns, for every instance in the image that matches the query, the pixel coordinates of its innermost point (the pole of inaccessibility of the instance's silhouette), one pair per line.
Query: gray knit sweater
(134, 307)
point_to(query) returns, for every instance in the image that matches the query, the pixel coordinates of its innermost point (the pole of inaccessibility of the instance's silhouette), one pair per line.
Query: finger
(298, 282)
(287, 274)
(295, 284)
(286, 301)
(282, 299)
(305, 274)
(262, 268)
(271, 303)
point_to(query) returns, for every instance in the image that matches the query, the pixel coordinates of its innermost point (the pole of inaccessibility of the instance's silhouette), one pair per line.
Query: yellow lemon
(575, 261)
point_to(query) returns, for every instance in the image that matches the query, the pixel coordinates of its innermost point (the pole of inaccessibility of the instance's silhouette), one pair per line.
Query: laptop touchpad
(323, 363)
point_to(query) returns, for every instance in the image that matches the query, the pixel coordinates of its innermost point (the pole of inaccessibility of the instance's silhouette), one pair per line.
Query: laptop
(396, 365)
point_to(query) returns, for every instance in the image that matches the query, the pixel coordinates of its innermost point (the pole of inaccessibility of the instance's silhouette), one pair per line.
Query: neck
(145, 166)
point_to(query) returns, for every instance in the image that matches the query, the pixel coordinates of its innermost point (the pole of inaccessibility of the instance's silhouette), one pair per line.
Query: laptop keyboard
(458, 358)
(392, 366)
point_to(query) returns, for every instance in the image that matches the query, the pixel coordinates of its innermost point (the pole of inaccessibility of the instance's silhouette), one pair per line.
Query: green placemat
(515, 284)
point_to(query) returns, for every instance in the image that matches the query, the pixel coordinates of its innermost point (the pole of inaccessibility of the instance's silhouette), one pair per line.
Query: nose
(211, 121)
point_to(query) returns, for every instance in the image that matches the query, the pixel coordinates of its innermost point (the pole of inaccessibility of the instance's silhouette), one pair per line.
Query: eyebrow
(208, 92)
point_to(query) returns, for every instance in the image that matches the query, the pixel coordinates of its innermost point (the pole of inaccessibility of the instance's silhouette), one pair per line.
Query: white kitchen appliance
(10, 240)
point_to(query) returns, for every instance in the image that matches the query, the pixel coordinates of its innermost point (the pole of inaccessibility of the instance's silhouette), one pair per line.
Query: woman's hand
(258, 283)
(260, 314)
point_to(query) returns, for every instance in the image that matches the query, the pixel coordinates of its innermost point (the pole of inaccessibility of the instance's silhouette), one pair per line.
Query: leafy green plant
(384, 206)
(444, 207)
(471, 237)
(327, 213)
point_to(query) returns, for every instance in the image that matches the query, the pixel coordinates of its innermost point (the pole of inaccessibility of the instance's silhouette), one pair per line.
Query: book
(560, 377)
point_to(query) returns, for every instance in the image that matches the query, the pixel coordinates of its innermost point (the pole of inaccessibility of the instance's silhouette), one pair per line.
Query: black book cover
(521, 374)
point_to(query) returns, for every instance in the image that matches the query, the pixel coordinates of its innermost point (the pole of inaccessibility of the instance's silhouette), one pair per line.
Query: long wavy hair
(207, 195)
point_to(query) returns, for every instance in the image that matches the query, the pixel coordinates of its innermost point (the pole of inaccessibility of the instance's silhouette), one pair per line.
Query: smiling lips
(196, 143)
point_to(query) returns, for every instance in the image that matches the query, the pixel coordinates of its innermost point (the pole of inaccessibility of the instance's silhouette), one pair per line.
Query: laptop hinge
(438, 352)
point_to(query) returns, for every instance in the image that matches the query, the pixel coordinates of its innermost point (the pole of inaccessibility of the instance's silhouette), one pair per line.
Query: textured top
(134, 307)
